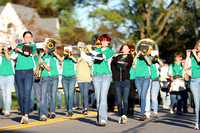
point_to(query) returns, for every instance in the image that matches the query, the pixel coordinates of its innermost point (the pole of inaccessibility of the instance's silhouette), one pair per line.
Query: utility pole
(195, 21)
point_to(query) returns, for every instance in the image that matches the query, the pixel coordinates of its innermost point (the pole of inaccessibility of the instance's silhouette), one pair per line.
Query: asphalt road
(165, 123)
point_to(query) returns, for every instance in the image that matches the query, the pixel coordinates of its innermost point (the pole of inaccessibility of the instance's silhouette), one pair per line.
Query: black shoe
(179, 113)
(85, 112)
(142, 118)
(185, 111)
(30, 110)
(59, 107)
(70, 113)
(1, 110)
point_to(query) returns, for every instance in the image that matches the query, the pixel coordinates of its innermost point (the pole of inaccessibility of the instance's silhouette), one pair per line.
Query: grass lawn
(14, 104)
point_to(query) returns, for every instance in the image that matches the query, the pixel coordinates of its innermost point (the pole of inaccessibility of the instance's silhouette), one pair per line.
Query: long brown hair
(120, 51)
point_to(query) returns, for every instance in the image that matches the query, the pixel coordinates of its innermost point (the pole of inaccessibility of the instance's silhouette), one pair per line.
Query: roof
(25, 12)
(27, 15)
(1, 8)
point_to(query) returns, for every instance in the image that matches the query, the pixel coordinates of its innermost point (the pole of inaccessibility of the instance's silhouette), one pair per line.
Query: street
(165, 123)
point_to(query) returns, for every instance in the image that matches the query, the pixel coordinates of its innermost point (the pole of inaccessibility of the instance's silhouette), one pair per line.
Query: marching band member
(54, 78)
(131, 99)
(7, 77)
(175, 71)
(69, 79)
(102, 76)
(142, 80)
(121, 77)
(192, 63)
(24, 74)
(83, 77)
(152, 94)
(41, 85)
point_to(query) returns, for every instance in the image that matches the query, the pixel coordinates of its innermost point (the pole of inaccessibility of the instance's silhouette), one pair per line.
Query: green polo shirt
(142, 68)
(177, 70)
(154, 70)
(54, 66)
(7, 67)
(195, 68)
(132, 73)
(102, 67)
(69, 67)
(46, 58)
(25, 62)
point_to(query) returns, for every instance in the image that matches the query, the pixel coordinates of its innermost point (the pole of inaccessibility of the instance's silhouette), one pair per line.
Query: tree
(170, 24)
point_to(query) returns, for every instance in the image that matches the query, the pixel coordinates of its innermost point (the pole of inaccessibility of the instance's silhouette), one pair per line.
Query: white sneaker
(6, 114)
(171, 111)
(155, 115)
(102, 123)
(147, 114)
(43, 118)
(124, 119)
(24, 120)
(196, 126)
(120, 120)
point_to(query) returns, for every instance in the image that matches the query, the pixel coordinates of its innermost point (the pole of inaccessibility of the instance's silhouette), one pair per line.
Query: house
(15, 19)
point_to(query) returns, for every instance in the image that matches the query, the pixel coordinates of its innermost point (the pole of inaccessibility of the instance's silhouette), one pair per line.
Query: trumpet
(66, 52)
(191, 50)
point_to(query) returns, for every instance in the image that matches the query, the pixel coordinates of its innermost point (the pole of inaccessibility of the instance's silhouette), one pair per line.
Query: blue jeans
(6, 86)
(142, 85)
(176, 99)
(1, 99)
(59, 98)
(195, 88)
(101, 86)
(32, 98)
(84, 87)
(153, 97)
(41, 88)
(76, 98)
(52, 91)
(122, 87)
(24, 82)
(68, 84)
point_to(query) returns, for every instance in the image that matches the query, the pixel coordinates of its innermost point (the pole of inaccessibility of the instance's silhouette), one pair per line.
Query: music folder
(122, 65)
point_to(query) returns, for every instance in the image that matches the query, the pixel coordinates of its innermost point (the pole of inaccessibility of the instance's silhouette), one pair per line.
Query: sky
(82, 14)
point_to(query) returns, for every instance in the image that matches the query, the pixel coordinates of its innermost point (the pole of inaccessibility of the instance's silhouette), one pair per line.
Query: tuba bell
(146, 46)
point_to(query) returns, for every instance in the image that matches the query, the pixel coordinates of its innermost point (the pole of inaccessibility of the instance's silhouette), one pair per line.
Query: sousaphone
(146, 46)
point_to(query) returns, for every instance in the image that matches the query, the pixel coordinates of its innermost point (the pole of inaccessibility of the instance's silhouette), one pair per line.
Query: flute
(191, 50)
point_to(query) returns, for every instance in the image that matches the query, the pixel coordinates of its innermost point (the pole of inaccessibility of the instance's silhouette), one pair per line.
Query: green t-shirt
(195, 68)
(7, 67)
(69, 67)
(54, 66)
(175, 69)
(46, 58)
(102, 67)
(132, 73)
(154, 70)
(25, 62)
(36, 59)
(142, 68)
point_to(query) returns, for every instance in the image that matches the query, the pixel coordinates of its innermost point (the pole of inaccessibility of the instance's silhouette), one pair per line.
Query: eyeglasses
(132, 50)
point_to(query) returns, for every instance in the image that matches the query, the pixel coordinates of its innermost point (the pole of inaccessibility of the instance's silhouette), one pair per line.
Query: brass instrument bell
(51, 44)
(146, 46)
(95, 40)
